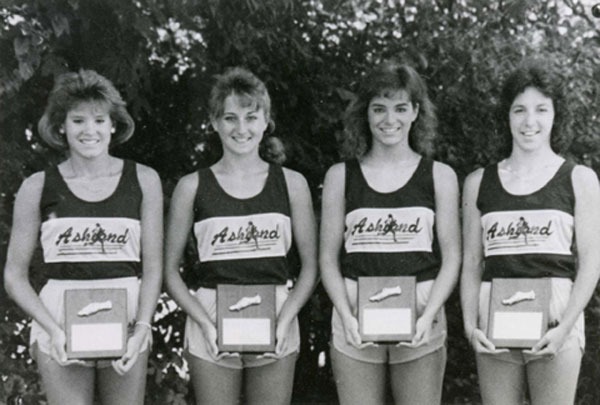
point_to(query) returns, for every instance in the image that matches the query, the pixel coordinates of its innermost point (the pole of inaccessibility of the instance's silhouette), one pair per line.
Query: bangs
(97, 105)
(387, 85)
(248, 100)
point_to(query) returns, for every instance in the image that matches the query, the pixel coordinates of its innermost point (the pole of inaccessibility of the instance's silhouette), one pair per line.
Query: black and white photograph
(337, 202)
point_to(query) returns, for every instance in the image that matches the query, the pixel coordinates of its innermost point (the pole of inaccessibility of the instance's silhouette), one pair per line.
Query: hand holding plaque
(246, 318)
(518, 311)
(386, 308)
(96, 323)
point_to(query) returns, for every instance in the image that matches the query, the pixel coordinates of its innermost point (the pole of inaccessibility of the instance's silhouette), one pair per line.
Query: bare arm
(448, 234)
(587, 235)
(151, 239)
(23, 240)
(332, 238)
(152, 242)
(305, 235)
(179, 224)
(472, 264)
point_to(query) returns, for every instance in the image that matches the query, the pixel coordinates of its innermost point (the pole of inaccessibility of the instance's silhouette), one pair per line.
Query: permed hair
(384, 81)
(251, 92)
(540, 75)
(73, 88)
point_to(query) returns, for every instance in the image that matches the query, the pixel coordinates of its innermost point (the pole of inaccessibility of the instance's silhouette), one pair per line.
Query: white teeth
(89, 141)
(241, 140)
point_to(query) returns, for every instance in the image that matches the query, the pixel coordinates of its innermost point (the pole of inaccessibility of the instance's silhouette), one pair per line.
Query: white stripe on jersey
(91, 239)
(527, 231)
(407, 229)
(243, 237)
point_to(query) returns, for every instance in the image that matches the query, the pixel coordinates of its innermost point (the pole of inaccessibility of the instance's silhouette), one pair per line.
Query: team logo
(527, 231)
(97, 237)
(243, 237)
(84, 239)
(389, 230)
(249, 235)
(520, 230)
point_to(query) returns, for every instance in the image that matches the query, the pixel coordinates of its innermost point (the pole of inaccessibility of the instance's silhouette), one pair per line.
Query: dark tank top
(84, 240)
(390, 234)
(243, 241)
(528, 235)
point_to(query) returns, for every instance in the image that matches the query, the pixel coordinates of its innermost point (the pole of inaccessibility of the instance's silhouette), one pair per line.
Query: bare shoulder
(583, 174)
(443, 172)
(474, 178)
(33, 185)
(295, 180)
(336, 172)
(148, 178)
(585, 181)
(188, 184)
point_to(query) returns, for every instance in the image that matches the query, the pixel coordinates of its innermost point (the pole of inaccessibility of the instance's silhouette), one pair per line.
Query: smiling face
(390, 118)
(241, 126)
(531, 117)
(87, 128)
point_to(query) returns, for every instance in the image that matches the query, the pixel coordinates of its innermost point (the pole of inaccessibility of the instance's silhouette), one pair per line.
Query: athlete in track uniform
(531, 215)
(392, 212)
(246, 215)
(100, 224)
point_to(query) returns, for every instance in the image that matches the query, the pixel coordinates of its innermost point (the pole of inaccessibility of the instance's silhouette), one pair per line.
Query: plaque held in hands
(386, 308)
(518, 311)
(96, 323)
(246, 318)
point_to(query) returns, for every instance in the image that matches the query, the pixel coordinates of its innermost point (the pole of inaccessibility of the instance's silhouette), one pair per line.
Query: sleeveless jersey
(528, 235)
(84, 240)
(390, 234)
(243, 241)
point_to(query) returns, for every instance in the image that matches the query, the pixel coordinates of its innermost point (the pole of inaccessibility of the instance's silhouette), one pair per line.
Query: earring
(113, 130)
(61, 131)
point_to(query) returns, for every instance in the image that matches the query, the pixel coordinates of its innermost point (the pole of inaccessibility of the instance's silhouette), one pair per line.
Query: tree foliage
(311, 54)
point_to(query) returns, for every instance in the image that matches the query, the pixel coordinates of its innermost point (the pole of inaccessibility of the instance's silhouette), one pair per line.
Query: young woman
(241, 193)
(390, 182)
(536, 188)
(75, 207)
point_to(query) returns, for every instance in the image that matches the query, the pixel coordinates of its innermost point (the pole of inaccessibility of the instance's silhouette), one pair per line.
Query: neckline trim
(257, 195)
(111, 195)
(384, 193)
(544, 186)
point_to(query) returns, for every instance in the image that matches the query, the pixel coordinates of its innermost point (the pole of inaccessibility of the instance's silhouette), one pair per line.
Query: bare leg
(419, 381)
(271, 384)
(358, 382)
(501, 382)
(127, 389)
(214, 384)
(73, 385)
(555, 381)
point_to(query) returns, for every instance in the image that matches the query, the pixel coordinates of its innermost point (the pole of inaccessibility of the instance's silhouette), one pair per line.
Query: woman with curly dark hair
(532, 216)
(390, 211)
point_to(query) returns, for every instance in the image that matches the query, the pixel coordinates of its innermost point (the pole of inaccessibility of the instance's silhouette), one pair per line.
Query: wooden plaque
(386, 308)
(96, 323)
(518, 311)
(246, 318)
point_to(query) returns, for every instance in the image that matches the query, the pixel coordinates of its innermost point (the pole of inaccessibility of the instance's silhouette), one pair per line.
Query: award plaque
(518, 311)
(386, 308)
(96, 323)
(246, 318)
